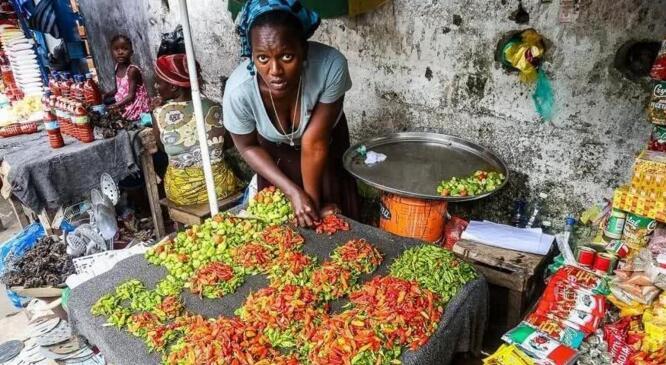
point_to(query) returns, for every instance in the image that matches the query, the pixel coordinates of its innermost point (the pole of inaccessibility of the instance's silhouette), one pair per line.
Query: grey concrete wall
(104, 20)
(428, 65)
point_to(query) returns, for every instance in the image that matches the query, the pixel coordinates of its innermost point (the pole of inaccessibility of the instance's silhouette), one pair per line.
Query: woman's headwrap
(173, 69)
(253, 8)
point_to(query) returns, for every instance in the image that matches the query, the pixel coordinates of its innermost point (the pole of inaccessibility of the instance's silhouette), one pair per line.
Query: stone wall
(429, 65)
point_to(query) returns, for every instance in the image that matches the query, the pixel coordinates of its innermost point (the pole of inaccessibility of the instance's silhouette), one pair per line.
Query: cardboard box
(640, 202)
(45, 292)
(650, 173)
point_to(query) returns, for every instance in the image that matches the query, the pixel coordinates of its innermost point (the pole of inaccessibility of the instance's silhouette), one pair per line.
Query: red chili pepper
(331, 224)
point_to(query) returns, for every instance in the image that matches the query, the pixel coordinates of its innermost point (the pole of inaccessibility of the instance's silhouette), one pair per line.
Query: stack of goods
(47, 264)
(572, 308)
(646, 195)
(73, 101)
(289, 321)
(22, 58)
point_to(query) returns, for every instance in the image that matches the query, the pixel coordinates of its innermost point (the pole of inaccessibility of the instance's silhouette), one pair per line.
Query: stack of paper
(531, 240)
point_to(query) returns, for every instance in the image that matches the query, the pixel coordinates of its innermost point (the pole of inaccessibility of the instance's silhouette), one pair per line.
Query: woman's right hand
(304, 208)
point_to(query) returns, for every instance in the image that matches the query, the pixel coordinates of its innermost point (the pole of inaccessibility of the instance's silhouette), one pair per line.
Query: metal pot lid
(418, 161)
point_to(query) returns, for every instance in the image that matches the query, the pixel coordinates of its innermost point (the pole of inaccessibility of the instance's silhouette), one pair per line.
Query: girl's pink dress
(141, 103)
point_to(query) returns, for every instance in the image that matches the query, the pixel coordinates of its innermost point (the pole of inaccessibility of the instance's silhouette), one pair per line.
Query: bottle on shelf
(536, 211)
(52, 126)
(66, 84)
(92, 94)
(82, 123)
(518, 217)
(53, 84)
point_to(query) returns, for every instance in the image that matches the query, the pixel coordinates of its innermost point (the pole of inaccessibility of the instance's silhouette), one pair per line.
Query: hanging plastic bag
(543, 97)
(16, 247)
(172, 42)
(524, 52)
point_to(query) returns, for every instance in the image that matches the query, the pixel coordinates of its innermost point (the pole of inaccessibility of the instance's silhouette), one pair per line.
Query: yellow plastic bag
(524, 53)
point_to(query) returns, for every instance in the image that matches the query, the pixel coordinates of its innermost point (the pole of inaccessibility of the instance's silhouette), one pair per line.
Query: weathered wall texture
(428, 65)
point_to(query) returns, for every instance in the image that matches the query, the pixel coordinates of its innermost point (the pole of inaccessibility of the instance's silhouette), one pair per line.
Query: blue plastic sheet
(16, 247)
(543, 97)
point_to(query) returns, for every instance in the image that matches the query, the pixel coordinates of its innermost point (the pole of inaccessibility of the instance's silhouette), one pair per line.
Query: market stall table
(42, 178)
(461, 328)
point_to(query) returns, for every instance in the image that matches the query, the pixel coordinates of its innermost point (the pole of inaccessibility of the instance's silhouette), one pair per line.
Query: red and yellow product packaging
(581, 279)
(624, 339)
(567, 295)
(557, 329)
(650, 173)
(640, 202)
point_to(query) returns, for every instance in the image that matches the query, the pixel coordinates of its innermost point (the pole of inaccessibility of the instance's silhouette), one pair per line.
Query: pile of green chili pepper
(435, 269)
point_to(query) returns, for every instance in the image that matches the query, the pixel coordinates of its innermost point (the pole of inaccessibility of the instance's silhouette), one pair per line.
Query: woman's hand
(329, 209)
(156, 102)
(304, 208)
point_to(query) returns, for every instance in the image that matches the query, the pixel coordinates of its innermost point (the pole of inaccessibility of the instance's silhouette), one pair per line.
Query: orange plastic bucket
(411, 217)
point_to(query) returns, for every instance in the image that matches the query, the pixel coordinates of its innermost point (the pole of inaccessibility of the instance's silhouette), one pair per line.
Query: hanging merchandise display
(524, 52)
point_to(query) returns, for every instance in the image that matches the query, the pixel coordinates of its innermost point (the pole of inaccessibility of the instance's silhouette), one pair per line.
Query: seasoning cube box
(640, 202)
(650, 173)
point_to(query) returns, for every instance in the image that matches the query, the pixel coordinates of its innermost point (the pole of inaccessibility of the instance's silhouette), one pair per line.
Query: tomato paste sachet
(539, 345)
(582, 279)
(557, 329)
(569, 296)
(574, 318)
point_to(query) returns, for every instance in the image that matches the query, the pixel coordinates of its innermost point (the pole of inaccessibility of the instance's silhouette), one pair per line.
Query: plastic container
(91, 92)
(411, 217)
(55, 138)
(537, 207)
(76, 90)
(66, 85)
(53, 84)
(82, 123)
(53, 129)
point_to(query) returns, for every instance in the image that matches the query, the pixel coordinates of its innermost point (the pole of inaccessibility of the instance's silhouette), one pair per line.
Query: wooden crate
(519, 272)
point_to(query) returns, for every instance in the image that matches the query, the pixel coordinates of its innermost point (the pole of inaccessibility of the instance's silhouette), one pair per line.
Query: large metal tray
(417, 162)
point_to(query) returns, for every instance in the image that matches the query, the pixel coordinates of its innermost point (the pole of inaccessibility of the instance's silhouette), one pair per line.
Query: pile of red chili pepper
(401, 310)
(331, 281)
(140, 324)
(215, 280)
(331, 224)
(282, 238)
(358, 256)
(291, 309)
(170, 308)
(346, 338)
(221, 341)
(159, 338)
(254, 257)
(291, 267)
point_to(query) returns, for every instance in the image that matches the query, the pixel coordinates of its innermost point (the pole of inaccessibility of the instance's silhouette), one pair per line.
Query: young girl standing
(131, 97)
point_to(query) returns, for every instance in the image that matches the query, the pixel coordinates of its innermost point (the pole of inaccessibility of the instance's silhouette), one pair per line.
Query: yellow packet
(508, 355)
(627, 310)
